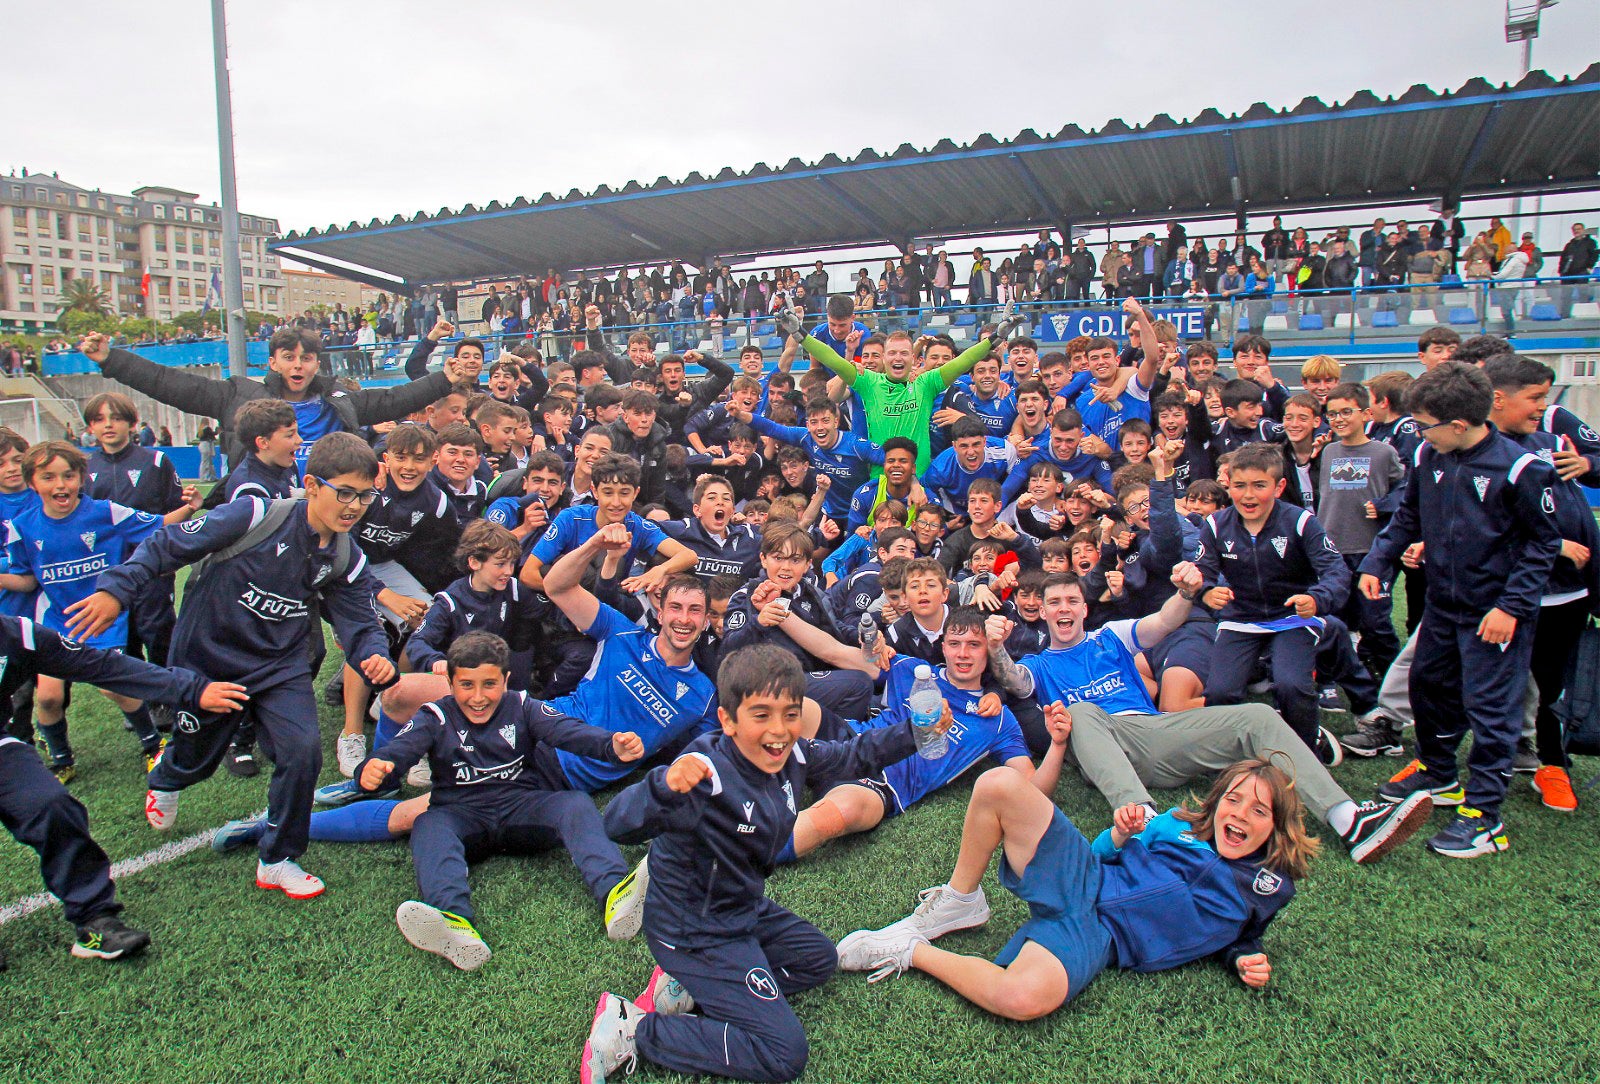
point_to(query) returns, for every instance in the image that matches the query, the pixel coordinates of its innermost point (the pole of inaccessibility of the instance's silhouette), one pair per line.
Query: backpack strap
(277, 511)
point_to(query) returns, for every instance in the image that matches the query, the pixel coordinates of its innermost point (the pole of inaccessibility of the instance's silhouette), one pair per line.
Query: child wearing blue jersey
(15, 496)
(543, 494)
(972, 454)
(844, 457)
(981, 728)
(992, 398)
(61, 547)
(1150, 893)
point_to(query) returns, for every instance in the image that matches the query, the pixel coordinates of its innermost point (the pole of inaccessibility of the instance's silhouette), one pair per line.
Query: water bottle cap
(924, 672)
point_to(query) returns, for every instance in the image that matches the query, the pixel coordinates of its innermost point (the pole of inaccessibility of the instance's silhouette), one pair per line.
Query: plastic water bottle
(867, 630)
(927, 706)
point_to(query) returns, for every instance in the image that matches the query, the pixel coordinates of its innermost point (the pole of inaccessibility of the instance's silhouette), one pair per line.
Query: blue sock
(55, 740)
(386, 729)
(787, 855)
(358, 822)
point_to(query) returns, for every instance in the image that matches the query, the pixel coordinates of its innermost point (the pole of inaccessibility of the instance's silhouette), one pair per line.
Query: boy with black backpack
(251, 606)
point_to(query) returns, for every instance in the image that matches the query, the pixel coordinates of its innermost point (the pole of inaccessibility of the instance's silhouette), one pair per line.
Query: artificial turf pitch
(1418, 968)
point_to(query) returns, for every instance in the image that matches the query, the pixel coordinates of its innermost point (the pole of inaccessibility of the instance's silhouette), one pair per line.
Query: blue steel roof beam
(1049, 206)
(861, 210)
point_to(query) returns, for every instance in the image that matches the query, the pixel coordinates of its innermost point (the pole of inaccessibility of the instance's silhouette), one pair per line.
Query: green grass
(1417, 968)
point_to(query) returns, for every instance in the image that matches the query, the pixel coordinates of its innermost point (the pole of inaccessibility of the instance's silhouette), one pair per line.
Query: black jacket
(221, 399)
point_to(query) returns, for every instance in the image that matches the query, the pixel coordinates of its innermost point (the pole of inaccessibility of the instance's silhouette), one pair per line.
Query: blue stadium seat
(1385, 318)
(966, 319)
(772, 342)
(1449, 280)
(767, 328)
(1279, 307)
(1463, 316)
(1543, 310)
(1311, 321)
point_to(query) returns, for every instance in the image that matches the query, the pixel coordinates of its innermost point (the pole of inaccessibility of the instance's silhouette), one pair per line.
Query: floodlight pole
(232, 280)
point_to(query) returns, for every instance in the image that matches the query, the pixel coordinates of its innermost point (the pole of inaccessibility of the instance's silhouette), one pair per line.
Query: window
(83, 200)
(183, 287)
(160, 242)
(199, 265)
(22, 250)
(182, 265)
(41, 195)
(249, 272)
(181, 214)
(47, 279)
(41, 220)
(249, 293)
(100, 203)
(26, 306)
(197, 240)
(61, 198)
(160, 211)
(16, 191)
(25, 279)
(180, 242)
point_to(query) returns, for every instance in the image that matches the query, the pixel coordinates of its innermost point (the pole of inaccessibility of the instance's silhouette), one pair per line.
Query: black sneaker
(1442, 791)
(108, 938)
(333, 691)
(1376, 735)
(1380, 827)
(1328, 698)
(1526, 760)
(241, 762)
(1328, 749)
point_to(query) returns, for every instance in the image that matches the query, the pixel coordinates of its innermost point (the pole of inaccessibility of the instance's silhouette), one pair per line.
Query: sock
(1342, 816)
(358, 822)
(787, 855)
(1150, 808)
(964, 897)
(386, 729)
(55, 740)
(144, 728)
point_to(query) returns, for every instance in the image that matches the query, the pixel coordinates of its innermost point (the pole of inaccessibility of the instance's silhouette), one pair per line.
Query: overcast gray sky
(354, 109)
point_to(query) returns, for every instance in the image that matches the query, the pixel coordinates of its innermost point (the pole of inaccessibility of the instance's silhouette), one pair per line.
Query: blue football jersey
(1100, 669)
(572, 527)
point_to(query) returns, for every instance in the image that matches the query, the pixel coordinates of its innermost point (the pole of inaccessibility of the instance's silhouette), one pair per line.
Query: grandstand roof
(1542, 134)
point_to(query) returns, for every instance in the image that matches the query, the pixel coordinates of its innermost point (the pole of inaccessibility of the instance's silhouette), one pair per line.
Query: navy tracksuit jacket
(489, 797)
(845, 692)
(250, 619)
(1487, 515)
(37, 809)
(707, 919)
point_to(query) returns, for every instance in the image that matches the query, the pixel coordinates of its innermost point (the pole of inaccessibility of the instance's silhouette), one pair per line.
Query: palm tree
(82, 295)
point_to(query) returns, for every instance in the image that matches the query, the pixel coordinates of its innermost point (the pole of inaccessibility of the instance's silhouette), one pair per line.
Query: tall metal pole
(232, 280)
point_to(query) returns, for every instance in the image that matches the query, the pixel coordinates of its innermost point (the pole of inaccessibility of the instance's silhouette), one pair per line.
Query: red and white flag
(144, 283)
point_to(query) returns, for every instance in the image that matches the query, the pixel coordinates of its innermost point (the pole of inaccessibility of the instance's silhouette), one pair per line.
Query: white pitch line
(167, 852)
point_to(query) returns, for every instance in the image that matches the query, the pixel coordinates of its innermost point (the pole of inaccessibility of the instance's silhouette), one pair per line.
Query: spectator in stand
(1177, 274)
(1478, 261)
(164, 438)
(1578, 259)
(941, 277)
(1110, 264)
(1275, 250)
(981, 284)
(1372, 242)
(1259, 285)
(1338, 273)
(1080, 272)
(1500, 238)
(1230, 290)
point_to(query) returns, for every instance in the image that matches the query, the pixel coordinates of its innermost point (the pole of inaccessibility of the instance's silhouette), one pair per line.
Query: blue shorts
(879, 785)
(1061, 887)
(1190, 647)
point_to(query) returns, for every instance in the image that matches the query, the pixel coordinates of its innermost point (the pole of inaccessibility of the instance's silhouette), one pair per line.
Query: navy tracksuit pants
(38, 811)
(845, 692)
(742, 1026)
(1293, 657)
(449, 837)
(1458, 683)
(285, 720)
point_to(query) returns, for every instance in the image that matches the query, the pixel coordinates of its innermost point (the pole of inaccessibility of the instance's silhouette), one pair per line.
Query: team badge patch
(416, 518)
(1281, 545)
(1266, 882)
(759, 982)
(133, 476)
(186, 722)
(88, 539)
(736, 620)
(682, 690)
(1481, 484)
(191, 526)
(509, 733)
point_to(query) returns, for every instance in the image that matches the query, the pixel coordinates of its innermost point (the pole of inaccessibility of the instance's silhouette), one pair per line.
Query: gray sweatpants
(1121, 755)
(1394, 697)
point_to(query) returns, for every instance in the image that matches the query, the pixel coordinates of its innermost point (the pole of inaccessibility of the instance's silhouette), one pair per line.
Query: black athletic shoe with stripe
(1380, 827)
(108, 938)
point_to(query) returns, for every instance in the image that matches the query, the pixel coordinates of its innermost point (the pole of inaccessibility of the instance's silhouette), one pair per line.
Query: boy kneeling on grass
(718, 815)
(480, 741)
(1150, 893)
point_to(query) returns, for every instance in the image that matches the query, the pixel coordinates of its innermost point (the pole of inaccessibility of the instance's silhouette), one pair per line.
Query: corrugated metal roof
(1541, 134)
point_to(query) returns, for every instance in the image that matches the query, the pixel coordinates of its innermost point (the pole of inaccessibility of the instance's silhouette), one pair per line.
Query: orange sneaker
(1555, 787)
(1410, 769)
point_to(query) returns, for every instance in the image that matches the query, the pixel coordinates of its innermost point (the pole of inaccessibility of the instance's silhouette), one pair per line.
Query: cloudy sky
(351, 109)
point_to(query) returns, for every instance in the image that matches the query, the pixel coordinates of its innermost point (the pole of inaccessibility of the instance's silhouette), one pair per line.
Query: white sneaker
(440, 932)
(161, 808)
(884, 952)
(288, 878)
(665, 995)
(611, 1043)
(939, 912)
(420, 776)
(351, 750)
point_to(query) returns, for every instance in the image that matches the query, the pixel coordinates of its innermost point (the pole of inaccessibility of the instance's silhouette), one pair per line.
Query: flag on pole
(144, 283)
(213, 292)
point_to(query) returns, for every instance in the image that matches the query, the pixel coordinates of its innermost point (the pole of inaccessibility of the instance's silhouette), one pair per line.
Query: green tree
(82, 295)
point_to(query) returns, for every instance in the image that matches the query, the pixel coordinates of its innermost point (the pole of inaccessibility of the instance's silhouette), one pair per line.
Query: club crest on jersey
(88, 539)
(1588, 434)
(1281, 545)
(1266, 882)
(186, 722)
(509, 733)
(788, 794)
(682, 690)
(133, 476)
(281, 547)
(469, 617)
(191, 526)
(863, 601)
(416, 518)
(1548, 502)
(736, 620)
(323, 572)
(1481, 484)
(760, 983)
(38, 543)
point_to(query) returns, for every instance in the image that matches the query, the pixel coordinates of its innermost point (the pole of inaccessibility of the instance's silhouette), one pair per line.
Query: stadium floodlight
(1522, 18)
